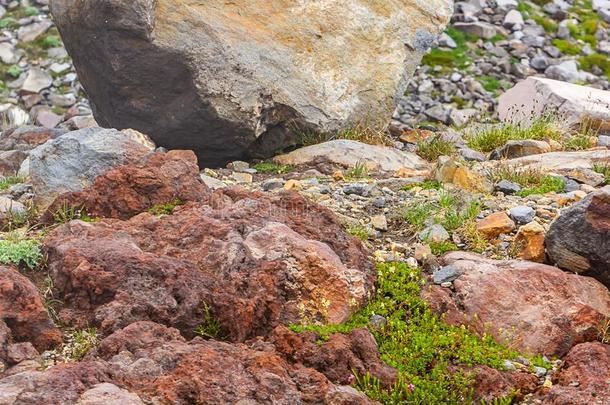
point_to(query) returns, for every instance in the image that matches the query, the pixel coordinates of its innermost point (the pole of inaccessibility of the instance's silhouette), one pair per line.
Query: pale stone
(351, 153)
(535, 96)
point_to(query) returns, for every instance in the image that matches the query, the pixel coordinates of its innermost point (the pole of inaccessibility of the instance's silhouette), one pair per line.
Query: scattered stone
(530, 242)
(446, 274)
(520, 148)
(379, 222)
(507, 187)
(478, 28)
(522, 214)
(495, 224)
(435, 233)
(36, 81)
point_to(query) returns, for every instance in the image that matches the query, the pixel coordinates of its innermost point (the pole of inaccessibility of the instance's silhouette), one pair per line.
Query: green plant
(165, 209)
(603, 331)
(8, 22)
(17, 249)
(440, 248)
(430, 149)
(359, 171)
(603, 169)
(578, 142)
(372, 134)
(601, 61)
(567, 47)
(359, 231)
(270, 167)
(426, 185)
(415, 341)
(210, 327)
(51, 41)
(14, 71)
(81, 342)
(66, 213)
(489, 138)
(30, 11)
(6, 182)
(28, 216)
(417, 214)
(549, 25)
(548, 184)
(524, 177)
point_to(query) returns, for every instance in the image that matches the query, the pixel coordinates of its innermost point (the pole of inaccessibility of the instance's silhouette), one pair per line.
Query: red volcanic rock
(585, 378)
(23, 317)
(258, 260)
(122, 192)
(337, 358)
(490, 383)
(534, 307)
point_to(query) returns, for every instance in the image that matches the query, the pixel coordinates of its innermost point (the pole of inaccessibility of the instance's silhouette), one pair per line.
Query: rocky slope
(461, 265)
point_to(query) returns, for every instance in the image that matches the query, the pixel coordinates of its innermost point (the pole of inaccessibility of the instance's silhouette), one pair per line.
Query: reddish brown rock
(338, 358)
(495, 224)
(536, 308)
(122, 192)
(27, 138)
(585, 377)
(490, 383)
(579, 240)
(530, 242)
(10, 161)
(258, 260)
(23, 313)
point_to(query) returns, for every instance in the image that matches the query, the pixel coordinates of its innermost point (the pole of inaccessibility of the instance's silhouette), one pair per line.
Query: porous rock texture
(579, 240)
(258, 260)
(244, 77)
(585, 377)
(23, 317)
(535, 308)
(150, 362)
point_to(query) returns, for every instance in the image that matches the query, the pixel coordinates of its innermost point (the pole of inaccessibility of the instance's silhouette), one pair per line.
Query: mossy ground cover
(432, 357)
(454, 58)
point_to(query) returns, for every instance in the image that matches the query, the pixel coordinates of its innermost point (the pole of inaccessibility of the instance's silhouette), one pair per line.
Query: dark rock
(507, 187)
(579, 240)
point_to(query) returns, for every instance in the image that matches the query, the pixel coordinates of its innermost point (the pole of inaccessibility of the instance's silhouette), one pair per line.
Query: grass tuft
(431, 149)
(270, 167)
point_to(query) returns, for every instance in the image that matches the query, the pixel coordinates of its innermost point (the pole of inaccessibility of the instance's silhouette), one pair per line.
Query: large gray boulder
(579, 240)
(246, 77)
(72, 161)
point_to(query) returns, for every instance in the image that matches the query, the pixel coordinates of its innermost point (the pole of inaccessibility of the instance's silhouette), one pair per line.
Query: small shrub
(66, 213)
(567, 47)
(578, 142)
(440, 248)
(51, 41)
(431, 149)
(549, 25)
(30, 11)
(359, 231)
(14, 71)
(19, 250)
(270, 167)
(165, 209)
(210, 327)
(8, 22)
(524, 177)
(80, 343)
(588, 62)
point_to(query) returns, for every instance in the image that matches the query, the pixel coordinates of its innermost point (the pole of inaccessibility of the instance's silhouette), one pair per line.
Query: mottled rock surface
(257, 260)
(579, 240)
(534, 307)
(246, 77)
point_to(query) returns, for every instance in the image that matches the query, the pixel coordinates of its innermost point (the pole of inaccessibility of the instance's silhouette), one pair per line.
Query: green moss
(455, 58)
(567, 47)
(14, 71)
(416, 342)
(599, 60)
(426, 185)
(51, 41)
(440, 248)
(270, 167)
(8, 22)
(549, 25)
(165, 209)
(359, 231)
(30, 11)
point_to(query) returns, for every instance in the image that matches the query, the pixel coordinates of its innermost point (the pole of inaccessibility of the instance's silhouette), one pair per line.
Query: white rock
(8, 54)
(535, 96)
(512, 19)
(36, 81)
(350, 153)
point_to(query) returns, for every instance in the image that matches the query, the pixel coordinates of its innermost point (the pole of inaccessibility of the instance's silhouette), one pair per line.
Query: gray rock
(578, 240)
(212, 182)
(439, 113)
(379, 202)
(480, 29)
(446, 41)
(29, 33)
(273, 184)
(36, 81)
(249, 77)
(73, 160)
(472, 155)
(446, 274)
(520, 148)
(378, 321)
(603, 140)
(435, 233)
(513, 20)
(540, 62)
(522, 214)
(108, 394)
(9, 206)
(356, 188)
(507, 187)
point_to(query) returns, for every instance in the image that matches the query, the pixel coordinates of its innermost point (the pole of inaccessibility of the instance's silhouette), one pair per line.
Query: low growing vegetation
(270, 167)
(454, 58)
(425, 350)
(19, 250)
(532, 181)
(6, 182)
(431, 149)
(165, 209)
